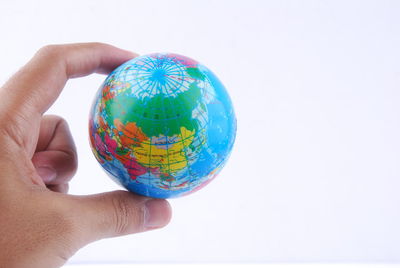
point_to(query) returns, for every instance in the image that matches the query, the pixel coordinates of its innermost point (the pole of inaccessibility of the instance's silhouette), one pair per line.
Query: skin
(40, 224)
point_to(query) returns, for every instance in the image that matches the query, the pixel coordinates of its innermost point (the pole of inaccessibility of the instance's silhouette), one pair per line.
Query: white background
(315, 172)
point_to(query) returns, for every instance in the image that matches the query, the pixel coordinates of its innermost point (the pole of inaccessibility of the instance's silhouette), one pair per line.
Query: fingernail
(46, 173)
(157, 213)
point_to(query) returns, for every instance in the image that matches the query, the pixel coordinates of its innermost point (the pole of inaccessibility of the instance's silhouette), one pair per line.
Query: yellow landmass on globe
(169, 158)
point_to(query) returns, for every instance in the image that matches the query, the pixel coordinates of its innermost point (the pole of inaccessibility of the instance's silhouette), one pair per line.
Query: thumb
(118, 213)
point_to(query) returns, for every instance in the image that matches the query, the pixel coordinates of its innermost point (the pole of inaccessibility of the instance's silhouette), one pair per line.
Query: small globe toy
(162, 125)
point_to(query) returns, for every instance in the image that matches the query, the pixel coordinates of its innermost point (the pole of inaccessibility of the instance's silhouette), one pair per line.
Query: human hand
(41, 225)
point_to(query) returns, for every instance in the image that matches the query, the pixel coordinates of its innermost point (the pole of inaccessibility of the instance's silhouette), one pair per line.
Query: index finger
(34, 88)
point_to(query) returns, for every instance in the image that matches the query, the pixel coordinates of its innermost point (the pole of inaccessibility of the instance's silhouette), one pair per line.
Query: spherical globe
(162, 125)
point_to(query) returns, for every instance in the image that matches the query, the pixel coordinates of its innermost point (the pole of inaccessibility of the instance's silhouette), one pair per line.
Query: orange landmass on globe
(131, 133)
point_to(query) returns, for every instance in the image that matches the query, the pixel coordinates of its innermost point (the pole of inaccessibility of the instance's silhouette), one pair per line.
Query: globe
(162, 125)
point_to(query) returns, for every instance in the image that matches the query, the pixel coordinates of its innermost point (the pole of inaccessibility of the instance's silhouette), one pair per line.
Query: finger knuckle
(50, 50)
(53, 117)
(59, 122)
(128, 218)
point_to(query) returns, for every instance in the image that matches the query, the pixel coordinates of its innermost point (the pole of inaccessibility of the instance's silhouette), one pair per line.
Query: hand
(40, 225)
